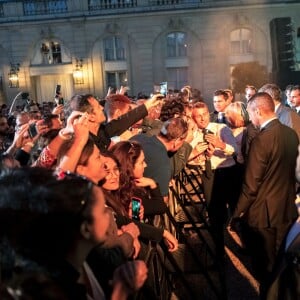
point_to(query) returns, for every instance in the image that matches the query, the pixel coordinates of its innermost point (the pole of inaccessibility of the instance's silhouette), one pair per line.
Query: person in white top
(216, 152)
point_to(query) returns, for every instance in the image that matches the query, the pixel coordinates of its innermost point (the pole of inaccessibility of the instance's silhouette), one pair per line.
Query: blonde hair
(236, 114)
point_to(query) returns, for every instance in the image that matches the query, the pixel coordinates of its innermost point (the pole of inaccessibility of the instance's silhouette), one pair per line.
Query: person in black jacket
(100, 131)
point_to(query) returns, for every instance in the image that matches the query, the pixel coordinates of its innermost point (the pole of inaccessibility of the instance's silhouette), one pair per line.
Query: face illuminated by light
(220, 103)
(201, 117)
(139, 166)
(94, 169)
(295, 98)
(97, 110)
(112, 178)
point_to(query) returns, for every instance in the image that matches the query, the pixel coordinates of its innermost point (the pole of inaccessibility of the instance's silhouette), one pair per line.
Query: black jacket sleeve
(147, 232)
(118, 126)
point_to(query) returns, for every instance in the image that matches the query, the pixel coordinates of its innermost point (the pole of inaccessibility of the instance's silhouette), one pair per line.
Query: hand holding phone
(32, 131)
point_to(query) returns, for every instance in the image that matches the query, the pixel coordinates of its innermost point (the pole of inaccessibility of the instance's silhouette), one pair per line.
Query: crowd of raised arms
(85, 185)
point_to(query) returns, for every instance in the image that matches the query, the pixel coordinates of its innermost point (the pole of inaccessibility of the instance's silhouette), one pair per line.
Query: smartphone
(32, 131)
(57, 90)
(61, 101)
(135, 206)
(163, 88)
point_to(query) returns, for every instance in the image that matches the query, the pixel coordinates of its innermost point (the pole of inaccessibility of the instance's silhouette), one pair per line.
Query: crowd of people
(85, 186)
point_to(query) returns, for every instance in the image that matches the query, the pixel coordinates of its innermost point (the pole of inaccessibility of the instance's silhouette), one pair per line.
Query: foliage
(250, 73)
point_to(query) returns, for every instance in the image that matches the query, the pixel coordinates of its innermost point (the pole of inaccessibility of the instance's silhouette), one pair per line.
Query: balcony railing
(42, 7)
(19, 10)
(111, 4)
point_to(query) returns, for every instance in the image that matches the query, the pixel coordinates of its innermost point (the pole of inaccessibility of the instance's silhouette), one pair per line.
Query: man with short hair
(284, 114)
(100, 131)
(295, 98)
(220, 101)
(115, 106)
(250, 91)
(218, 166)
(266, 203)
(171, 137)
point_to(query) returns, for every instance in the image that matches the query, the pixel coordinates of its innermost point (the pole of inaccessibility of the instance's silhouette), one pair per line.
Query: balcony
(36, 10)
(42, 7)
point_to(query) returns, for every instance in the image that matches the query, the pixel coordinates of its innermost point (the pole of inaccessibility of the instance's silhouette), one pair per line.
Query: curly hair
(127, 153)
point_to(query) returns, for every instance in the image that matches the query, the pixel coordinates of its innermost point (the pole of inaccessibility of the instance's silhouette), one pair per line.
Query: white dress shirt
(220, 158)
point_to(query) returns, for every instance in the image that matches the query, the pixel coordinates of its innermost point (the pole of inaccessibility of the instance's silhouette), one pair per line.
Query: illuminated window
(241, 41)
(176, 44)
(114, 48)
(51, 52)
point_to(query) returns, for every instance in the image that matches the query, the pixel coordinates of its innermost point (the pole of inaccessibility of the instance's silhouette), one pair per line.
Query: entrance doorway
(44, 87)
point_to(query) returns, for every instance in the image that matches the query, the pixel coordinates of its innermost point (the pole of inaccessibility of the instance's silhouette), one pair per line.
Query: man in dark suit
(295, 98)
(284, 114)
(266, 202)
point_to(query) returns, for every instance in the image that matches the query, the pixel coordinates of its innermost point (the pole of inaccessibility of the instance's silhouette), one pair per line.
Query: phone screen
(164, 88)
(32, 130)
(135, 206)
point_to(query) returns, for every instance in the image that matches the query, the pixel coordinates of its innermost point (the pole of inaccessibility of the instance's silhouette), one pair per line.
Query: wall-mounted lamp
(78, 72)
(13, 76)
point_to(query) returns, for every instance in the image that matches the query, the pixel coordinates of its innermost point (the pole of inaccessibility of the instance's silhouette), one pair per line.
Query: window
(116, 79)
(51, 53)
(41, 7)
(241, 41)
(177, 77)
(176, 44)
(114, 48)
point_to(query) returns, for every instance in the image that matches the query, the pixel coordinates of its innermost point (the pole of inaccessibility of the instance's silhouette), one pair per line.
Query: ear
(117, 113)
(85, 230)
(92, 117)
(80, 169)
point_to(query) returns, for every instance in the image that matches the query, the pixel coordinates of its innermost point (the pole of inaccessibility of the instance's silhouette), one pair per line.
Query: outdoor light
(78, 72)
(13, 76)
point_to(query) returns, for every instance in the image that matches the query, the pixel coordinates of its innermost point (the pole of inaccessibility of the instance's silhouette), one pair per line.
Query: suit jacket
(268, 192)
(289, 118)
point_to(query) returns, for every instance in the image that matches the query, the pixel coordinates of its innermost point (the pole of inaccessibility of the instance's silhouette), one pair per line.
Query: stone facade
(140, 30)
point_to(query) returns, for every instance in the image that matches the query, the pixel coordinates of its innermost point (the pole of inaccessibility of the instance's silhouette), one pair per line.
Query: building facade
(88, 45)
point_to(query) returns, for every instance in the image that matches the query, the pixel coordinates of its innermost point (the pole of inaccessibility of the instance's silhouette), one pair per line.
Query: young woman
(132, 181)
(111, 189)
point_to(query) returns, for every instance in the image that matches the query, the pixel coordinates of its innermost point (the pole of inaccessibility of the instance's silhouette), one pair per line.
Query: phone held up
(135, 207)
(58, 94)
(32, 131)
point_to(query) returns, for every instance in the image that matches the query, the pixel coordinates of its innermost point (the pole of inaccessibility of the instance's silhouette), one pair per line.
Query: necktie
(208, 170)
(221, 117)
